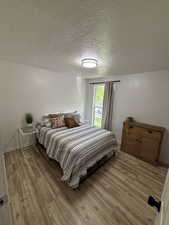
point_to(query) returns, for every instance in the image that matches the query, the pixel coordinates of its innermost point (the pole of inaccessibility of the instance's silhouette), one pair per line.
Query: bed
(77, 149)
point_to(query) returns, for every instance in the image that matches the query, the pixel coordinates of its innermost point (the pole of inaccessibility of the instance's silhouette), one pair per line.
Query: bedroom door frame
(5, 210)
(162, 217)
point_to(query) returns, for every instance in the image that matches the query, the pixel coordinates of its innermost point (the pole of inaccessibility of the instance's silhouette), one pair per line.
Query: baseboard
(163, 164)
(10, 149)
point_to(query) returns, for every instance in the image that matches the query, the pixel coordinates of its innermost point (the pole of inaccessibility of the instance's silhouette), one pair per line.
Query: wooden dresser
(142, 140)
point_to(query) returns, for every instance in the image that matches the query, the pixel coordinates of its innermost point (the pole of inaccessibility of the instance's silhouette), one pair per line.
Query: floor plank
(115, 195)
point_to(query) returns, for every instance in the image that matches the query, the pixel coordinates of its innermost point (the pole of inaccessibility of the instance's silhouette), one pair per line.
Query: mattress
(77, 149)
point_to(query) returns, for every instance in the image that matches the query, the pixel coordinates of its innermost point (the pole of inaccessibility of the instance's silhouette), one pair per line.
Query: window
(97, 104)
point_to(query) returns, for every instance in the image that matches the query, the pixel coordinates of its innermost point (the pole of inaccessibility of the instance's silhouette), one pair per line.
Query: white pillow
(46, 122)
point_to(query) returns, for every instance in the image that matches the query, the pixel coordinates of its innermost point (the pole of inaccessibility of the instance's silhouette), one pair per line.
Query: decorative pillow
(75, 115)
(51, 116)
(70, 122)
(58, 121)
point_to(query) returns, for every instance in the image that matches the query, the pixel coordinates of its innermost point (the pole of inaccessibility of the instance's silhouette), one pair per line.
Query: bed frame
(95, 167)
(90, 170)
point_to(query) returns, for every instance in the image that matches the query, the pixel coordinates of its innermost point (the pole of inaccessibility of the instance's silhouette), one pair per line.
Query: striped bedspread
(77, 149)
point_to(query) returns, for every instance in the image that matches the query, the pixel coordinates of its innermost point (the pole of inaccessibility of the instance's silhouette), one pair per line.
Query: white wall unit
(162, 217)
(142, 96)
(29, 89)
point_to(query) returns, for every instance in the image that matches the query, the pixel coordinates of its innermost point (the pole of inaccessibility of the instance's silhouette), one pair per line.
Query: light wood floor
(115, 195)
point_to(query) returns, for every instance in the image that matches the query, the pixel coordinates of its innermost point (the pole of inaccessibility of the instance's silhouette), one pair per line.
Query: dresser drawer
(149, 150)
(132, 131)
(131, 145)
(142, 132)
(149, 133)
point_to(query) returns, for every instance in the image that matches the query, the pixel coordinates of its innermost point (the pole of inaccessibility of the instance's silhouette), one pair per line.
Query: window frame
(93, 101)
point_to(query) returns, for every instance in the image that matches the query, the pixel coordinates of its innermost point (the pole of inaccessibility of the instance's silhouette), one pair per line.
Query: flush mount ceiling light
(89, 63)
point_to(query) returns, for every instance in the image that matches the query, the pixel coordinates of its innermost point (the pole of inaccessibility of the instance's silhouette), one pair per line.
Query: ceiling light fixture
(89, 63)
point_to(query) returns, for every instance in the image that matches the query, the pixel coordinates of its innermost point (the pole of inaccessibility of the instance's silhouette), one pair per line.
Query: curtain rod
(102, 82)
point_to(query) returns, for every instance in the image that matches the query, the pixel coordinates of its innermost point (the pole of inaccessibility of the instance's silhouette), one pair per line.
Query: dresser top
(145, 125)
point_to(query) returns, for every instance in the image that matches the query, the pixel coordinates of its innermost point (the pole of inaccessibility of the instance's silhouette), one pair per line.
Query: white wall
(27, 89)
(144, 97)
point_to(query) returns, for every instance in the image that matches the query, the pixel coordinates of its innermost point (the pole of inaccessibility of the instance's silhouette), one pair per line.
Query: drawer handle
(130, 127)
(138, 140)
(150, 131)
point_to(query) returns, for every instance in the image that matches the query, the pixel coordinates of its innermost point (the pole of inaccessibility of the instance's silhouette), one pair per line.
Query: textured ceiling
(126, 36)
